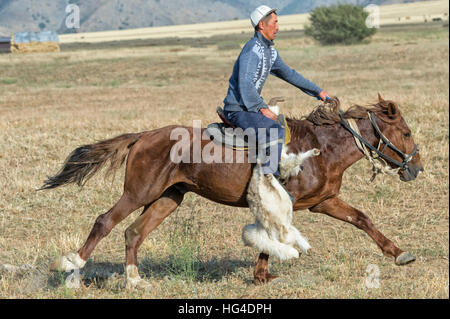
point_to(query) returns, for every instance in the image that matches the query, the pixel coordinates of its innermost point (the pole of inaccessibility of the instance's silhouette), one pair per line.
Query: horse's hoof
(264, 279)
(404, 258)
(69, 262)
(134, 281)
(138, 283)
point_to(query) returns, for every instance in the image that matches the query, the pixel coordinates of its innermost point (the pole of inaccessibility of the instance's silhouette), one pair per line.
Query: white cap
(260, 13)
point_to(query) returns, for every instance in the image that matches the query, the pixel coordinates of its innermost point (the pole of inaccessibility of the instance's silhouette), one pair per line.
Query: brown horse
(158, 184)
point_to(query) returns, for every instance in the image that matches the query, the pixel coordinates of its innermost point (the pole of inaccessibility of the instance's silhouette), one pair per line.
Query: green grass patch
(184, 262)
(8, 81)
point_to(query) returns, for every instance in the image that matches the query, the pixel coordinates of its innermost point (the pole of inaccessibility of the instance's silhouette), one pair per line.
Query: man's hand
(324, 96)
(268, 113)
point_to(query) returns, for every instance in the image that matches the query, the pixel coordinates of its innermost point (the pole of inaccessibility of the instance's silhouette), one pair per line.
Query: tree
(345, 23)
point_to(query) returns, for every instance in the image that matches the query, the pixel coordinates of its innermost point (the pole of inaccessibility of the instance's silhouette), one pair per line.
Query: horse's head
(402, 148)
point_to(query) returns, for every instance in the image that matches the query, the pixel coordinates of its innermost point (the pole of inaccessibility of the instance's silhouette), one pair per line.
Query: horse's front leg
(339, 209)
(261, 273)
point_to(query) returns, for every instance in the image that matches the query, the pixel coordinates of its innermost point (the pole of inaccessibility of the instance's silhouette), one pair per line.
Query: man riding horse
(243, 105)
(158, 185)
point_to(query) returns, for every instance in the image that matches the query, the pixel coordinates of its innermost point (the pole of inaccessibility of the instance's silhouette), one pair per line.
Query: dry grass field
(51, 103)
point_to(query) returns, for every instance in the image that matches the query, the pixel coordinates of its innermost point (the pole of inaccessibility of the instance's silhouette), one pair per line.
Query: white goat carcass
(273, 232)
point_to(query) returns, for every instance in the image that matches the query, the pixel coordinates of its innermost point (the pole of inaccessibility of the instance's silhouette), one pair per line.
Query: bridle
(400, 165)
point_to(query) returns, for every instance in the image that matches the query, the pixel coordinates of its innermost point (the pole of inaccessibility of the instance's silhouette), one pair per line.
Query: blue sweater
(257, 59)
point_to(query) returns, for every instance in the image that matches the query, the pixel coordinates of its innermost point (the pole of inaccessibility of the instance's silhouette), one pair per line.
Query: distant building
(5, 44)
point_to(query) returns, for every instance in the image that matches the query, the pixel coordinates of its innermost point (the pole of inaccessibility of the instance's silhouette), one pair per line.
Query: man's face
(270, 28)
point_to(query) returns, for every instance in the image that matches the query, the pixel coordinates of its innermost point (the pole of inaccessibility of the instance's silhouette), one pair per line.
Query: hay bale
(34, 46)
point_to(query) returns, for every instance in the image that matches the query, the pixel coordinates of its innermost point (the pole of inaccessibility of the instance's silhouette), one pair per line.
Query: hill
(101, 15)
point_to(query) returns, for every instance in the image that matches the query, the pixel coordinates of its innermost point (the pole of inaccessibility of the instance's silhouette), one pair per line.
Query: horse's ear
(380, 99)
(392, 110)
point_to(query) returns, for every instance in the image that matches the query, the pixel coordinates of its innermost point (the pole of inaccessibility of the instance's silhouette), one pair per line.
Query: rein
(379, 162)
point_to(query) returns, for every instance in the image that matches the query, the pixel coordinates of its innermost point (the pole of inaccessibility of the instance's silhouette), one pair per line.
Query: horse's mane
(328, 113)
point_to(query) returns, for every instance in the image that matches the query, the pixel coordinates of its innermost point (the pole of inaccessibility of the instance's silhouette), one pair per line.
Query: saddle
(224, 133)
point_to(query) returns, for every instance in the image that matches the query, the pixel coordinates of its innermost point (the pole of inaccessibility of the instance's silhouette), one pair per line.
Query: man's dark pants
(271, 142)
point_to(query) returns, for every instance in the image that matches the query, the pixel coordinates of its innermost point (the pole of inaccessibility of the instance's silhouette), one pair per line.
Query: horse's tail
(87, 160)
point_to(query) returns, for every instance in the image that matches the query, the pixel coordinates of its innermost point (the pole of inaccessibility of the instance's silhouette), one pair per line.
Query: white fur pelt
(290, 163)
(273, 232)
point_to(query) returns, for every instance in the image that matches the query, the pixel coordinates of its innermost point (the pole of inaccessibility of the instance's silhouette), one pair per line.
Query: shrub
(343, 23)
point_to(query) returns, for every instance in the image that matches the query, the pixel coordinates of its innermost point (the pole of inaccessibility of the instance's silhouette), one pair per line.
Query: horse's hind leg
(103, 225)
(150, 218)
